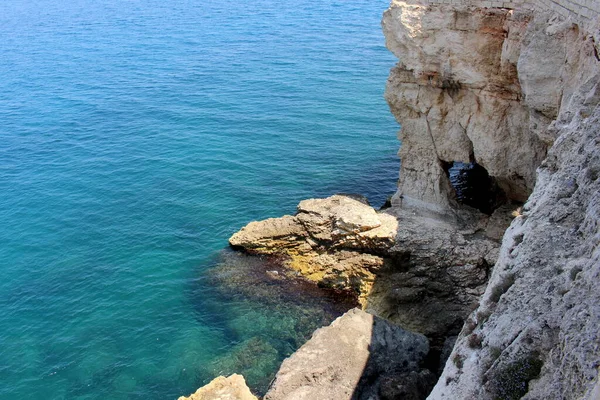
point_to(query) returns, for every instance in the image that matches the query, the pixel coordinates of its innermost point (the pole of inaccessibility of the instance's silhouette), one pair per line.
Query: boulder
(221, 388)
(358, 356)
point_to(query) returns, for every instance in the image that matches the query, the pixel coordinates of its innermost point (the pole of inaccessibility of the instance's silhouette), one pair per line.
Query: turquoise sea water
(135, 138)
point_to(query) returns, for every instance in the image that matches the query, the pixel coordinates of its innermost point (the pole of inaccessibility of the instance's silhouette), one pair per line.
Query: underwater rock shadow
(264, 313)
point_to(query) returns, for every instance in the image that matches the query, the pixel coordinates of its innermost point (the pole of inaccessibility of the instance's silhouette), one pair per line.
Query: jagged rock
(434, 276)
(270, 235)
(338, 221)
(221, 388)
(535, 334)
(357, 355)
(337, 241)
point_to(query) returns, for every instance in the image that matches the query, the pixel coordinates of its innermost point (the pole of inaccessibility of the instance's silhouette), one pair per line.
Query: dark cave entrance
(474, 187)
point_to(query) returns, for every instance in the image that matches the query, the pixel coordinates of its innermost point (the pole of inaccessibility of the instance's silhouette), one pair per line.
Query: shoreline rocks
(336, 242)
(423, 271)
(232, 387)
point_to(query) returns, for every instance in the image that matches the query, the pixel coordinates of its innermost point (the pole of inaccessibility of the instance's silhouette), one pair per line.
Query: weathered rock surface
(499, 87)
(359, 356)
(535, 334)
(434, 276)
(338, 241)
(339, 221)
(459, 98)
(222, 388)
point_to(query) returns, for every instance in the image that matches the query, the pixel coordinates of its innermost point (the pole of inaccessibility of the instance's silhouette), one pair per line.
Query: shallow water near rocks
(136, 137)
(271, 313)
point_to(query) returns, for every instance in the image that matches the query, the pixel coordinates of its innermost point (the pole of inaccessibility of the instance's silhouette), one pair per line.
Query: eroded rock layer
(499, 87)
(460, 97)
(535, 334)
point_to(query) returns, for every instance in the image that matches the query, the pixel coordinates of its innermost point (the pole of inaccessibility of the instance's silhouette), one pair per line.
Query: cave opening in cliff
(474, 187)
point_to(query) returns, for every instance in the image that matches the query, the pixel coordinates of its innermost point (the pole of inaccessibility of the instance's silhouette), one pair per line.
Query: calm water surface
(135, 138)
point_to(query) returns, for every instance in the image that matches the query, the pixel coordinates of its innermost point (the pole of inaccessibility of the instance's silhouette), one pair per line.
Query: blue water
(135, 138)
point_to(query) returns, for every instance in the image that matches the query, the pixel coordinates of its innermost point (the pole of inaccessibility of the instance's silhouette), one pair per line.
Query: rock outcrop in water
(421, 271)
(337, 242)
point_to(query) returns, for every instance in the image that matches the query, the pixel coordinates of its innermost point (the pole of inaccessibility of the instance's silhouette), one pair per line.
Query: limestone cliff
(459, 96)
(513, 91)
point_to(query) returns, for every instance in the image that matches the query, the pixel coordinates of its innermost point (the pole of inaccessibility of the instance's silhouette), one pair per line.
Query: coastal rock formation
(357, 356)
(421, 271)
(337, 242)
(535, 334)
(221, 388)
(434, 274)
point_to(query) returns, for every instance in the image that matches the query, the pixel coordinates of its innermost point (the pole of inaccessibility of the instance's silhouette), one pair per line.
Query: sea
(135, 137)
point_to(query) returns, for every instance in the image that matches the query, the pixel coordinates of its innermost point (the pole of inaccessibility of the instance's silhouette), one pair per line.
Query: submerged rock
(359, 356)
(222, 388)
(269, 316)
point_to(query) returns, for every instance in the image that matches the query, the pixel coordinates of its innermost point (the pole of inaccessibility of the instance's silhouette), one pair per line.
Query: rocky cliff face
(459, 96)
(499, 88)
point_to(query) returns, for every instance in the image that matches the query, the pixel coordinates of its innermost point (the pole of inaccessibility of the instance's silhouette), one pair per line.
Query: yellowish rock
(231, 388)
